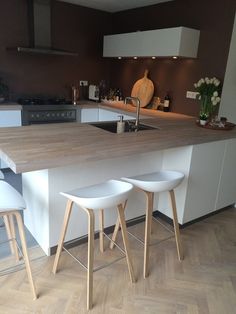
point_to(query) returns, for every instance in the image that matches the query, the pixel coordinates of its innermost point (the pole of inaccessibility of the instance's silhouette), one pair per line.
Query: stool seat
(10, 198)
(103, 195)
(157, 181)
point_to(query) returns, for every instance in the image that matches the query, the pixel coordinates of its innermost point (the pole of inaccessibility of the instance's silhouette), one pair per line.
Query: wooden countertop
(36, 147)
(10, 106)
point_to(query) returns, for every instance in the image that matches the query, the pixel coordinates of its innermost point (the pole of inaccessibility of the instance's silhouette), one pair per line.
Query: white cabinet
(9, 118)
(89, 115)
(227, 184)
(176, 41)
(227, 105)
(108, 115)
(204, 178)
(100, 114)
(202, 166)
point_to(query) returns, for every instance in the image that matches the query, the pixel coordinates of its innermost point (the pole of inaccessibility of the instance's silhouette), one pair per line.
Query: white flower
(213, 98)
(195, 85)
(218, 99)
(217, 82)
(215, 93)
(214, 103)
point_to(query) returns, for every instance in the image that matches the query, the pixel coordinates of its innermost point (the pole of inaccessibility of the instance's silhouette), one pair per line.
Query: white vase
(203, 122)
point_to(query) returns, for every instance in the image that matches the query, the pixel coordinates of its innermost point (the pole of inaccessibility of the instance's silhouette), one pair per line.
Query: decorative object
(209, 95)
(3, 90)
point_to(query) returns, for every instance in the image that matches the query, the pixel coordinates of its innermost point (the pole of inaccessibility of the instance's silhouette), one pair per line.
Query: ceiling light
(119, 58)
(135, 58)
(175, 57)
(153, 58)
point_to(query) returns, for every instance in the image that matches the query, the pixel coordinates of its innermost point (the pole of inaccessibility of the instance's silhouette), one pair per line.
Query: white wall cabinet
(9, 118)
(227, 105)
(176, 41)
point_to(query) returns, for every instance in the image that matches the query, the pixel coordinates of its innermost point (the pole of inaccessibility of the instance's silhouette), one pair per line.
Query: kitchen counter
(10, 106)
(47, 146)
(61, 157)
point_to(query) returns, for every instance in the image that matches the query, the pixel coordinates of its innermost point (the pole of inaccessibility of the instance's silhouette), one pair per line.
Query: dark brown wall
(215, 21)
(74, 28)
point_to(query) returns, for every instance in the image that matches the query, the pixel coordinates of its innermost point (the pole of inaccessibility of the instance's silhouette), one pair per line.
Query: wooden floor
(205, 282)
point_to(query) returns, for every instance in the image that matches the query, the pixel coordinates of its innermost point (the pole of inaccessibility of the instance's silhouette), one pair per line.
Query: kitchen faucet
(137, 100)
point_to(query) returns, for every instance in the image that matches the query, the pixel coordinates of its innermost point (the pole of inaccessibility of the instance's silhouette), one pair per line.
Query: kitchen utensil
(143, 89)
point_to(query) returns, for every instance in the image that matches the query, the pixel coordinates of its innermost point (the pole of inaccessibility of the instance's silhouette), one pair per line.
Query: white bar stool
(92, 198)
(151, 183)
(11, 203)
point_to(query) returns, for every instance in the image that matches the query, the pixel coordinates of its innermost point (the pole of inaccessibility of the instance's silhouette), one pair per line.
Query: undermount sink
(111, 126)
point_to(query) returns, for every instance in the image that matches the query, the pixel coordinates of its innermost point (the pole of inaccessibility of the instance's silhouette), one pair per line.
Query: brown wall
(81, 29)
(215, 21)
(74, 28)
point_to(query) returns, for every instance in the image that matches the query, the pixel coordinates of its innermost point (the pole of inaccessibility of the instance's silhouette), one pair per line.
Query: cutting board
(143, 89)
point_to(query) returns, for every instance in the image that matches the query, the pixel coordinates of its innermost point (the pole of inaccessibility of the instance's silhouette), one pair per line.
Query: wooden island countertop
(45, 146)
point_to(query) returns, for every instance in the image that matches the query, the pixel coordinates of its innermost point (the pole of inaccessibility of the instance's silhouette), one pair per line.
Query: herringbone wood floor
(204, 282)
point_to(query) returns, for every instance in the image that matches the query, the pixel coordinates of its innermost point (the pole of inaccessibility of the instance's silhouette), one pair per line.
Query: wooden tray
(228, 126)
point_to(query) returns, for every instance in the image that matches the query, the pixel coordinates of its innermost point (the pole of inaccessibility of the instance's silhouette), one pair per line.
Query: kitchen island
(61, 157)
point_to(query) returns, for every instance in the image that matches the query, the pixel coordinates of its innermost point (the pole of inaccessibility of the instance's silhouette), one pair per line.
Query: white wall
(228, 101)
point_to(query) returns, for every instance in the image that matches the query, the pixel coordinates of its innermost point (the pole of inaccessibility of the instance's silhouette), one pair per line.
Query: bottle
(166, 103)
(120, 125)
(118, 95)
(75, 95)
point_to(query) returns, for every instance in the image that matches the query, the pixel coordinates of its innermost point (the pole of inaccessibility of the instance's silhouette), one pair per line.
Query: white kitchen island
(60, 157)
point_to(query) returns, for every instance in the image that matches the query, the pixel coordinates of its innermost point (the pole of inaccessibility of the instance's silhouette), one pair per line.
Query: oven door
(48, 116)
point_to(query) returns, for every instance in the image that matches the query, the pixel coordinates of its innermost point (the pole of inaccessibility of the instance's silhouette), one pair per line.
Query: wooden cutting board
(143, 89)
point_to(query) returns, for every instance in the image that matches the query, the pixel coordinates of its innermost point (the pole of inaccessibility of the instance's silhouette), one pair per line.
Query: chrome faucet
(137, 100)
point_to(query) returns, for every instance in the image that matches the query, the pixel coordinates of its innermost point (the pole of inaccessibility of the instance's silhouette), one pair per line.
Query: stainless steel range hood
(39, 21)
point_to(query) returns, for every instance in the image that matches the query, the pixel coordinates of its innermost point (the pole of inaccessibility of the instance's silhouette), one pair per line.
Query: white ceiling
(114, 5)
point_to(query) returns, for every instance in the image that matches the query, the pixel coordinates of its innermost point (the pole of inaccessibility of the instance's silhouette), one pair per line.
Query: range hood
(39, 23)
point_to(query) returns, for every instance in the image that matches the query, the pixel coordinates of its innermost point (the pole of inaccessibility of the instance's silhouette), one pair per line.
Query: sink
(129, 126)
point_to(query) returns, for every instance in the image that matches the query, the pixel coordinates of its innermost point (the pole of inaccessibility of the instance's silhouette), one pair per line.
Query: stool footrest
(102, 266)
(156, 242)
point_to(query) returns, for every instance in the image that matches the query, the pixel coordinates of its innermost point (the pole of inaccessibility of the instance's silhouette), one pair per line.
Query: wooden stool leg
(8, 231)
(25, 253)
(90, 258)
(101, 228)
(115, 232)
(176, 226)
(121, 210)
(13, 233)
(62, 236)
(116, 229)
(148, 225)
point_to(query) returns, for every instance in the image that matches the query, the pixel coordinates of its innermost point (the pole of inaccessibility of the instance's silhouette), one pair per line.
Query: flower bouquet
(209, 95)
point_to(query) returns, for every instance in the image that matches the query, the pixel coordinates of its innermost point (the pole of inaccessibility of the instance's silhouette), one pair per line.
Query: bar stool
(93, 198)
(151, 183)
(11, 203)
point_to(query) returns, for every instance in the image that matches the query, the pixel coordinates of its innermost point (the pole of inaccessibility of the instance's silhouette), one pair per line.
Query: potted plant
(209, 95)
(3, 90)
(203, 117)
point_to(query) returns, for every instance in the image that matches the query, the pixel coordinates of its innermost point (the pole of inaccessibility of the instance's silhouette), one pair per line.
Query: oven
(41, 111)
